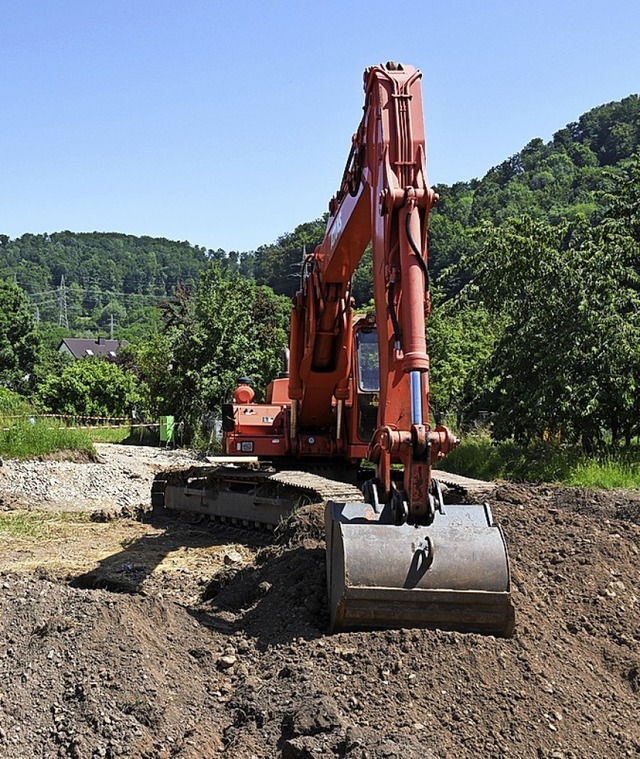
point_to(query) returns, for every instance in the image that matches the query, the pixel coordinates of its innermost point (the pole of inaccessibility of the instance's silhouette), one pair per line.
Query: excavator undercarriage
(250, 495)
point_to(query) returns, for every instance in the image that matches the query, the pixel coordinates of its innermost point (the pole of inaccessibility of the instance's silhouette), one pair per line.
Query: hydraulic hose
(397, 331)
(417, 253)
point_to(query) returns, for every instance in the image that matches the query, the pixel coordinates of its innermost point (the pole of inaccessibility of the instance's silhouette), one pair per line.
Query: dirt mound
(305, 527)
(89, 673)
(545, 693)
(248, 671)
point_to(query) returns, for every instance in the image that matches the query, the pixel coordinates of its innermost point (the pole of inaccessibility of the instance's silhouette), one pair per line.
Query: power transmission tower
(63, 318)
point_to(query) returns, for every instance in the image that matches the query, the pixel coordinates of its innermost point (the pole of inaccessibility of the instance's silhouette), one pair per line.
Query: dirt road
(158, 639)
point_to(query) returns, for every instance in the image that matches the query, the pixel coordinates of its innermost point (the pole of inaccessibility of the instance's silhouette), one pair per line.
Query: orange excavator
(357, 387)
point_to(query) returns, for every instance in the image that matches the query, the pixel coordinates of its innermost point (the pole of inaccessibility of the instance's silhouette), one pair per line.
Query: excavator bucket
(451, 575)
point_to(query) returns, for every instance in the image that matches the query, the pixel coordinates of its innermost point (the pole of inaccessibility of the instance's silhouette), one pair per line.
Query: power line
(93, 291)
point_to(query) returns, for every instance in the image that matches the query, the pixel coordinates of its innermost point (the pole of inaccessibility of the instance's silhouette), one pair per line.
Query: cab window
(368, 369)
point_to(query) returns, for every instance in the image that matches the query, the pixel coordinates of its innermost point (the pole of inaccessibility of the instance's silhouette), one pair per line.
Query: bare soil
(157, 639)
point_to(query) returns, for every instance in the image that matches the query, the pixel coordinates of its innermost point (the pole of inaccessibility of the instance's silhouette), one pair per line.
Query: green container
(167, 429)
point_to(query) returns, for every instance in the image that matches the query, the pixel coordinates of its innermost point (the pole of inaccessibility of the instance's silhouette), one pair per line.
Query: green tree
(568, 360)
(90, 387)
(19, 342)
(230, 328)
(151, 360)
(461, 337)
(50, 361)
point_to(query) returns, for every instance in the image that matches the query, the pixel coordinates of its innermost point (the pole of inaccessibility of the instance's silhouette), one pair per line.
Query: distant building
(79, 347)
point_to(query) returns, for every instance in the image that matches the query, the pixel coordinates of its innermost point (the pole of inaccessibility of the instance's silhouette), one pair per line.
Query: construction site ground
(156, 638)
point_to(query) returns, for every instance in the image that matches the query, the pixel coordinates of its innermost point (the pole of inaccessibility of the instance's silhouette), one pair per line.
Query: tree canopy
(19, 341)
(228, 328)
(90, 387)
(568, 358)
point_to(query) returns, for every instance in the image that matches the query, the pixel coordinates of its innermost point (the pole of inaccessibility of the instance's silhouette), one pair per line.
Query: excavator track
(247, 496)
(463, 485)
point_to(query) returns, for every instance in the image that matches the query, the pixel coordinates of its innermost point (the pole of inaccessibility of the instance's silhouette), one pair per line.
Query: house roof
(80, 347)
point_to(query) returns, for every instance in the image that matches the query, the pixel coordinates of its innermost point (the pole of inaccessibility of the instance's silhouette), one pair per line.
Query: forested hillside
(89, 283)
(555, 181)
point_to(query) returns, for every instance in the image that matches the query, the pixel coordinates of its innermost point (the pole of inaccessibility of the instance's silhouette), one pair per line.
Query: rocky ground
(158, 639)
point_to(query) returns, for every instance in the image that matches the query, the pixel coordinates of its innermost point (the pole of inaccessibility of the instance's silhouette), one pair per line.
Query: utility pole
(111, 331)
(63, 318)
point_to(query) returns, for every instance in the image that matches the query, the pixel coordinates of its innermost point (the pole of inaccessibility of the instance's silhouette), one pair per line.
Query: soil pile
(246, 669)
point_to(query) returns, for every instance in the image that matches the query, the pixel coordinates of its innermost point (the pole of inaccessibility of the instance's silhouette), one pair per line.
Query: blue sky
(228, 123)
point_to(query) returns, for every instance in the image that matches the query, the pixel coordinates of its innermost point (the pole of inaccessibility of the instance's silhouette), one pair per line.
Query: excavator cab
(367, 375)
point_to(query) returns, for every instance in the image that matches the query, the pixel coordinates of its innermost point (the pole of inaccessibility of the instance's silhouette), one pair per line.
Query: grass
(37, 524)
(109, 435)
(606, 473)
(481, 457)
(22, 439)
(13, 403)
(24, 435)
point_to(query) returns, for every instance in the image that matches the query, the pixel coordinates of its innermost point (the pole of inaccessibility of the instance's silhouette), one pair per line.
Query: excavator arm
(400, 556)
(384, 197)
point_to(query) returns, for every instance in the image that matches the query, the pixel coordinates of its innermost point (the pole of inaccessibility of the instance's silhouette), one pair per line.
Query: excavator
(356, 388)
